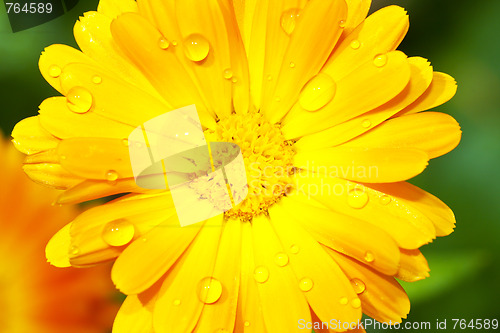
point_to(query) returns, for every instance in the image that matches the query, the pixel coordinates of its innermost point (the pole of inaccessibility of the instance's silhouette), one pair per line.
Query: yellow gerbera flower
(328, 117)
(34, 296)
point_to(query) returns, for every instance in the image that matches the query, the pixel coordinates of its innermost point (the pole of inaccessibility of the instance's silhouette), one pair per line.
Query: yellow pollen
(268, 160)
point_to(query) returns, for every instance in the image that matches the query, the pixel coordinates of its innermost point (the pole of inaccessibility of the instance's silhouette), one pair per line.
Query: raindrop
(380, 60)
(356, 303)
(385, 200)
(163, 43)
(247, 323)
(355, 44)
(118, 232)
(74, 250)
(269, 78)
(281, 259)
(196, 47)
(234, 80)
(317, 93)
(357, 198)
(358, 285)
(292, 65)
(294, 249)
(342, 24)
(366, 123)
(369, 257)
(97, 79)
(55, 71)
(289, 20)
(306, 284)
(111, 175)
(177, 302)
(174, 43)
(79, 100)
(261, 274)
(228, 74)
(209, 290)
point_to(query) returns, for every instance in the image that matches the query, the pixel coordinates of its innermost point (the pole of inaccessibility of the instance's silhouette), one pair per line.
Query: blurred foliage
(460, 38)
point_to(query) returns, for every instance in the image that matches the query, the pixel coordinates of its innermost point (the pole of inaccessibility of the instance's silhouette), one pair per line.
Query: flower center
(268, 160)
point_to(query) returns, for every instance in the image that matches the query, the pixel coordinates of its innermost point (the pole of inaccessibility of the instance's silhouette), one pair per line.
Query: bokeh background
(461, 38)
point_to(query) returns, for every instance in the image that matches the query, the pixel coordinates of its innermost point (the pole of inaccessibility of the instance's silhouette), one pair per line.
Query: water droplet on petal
(294, 249)
(55, 71)
(292, 65)
(318, 92)
(177, 302)
(385, 200)
(234, 80)
(356, 303)
(369, 257)
(380, 60)
(196, 47)
(163, 43)
(366, 123)
(281, 259)
(278, 99)
(289, 20)
(355, 44)
(228, 74)
(342, 24)
(247, 323)
(111, 175)
(174, 43)
(358, 285)
(306, 284)
(118, 232)
(261, 274)
(79, 100)
(125, 142)
(209, 290)
(357, 198)
(269, 78)
(344, 300)
(74, 250)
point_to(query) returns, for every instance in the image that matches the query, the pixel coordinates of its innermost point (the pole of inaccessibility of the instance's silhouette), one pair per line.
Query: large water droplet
(369, 257)
(261, 274)
(357, 198)
(118, 232)
(306, 284)
(79, 100)
(385, 200)
(281, 259)
(355, 44)
(358, 286)
(111, 175)
(289, 20)
(318, 92)
(380, 60)
(209, 290)
(163, 43)
(196, 47)
(356, 303)
(55, 71)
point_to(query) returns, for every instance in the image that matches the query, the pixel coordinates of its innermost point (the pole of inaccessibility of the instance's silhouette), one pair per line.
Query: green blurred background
(461, 38)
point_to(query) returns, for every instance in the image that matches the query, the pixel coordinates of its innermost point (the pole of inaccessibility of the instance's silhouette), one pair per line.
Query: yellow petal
(144, 261)
(95, 158)
(421, 78)
(31, 138)
(221, 315)
(433, 132)
(311, 262)
(363, 90)
(283, 303)
(312, 41)
(420, 202)
(413, 266)
(441, 90)
(356, 13)
(113, 8)
(134, 316)
(335, 230)
(179, 305)
(368, 165)
(382, 298)
(60, 121)
(380, 33)
(57, 249)
(51, 174)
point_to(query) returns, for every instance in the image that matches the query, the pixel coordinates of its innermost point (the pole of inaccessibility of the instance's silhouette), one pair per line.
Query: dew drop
(358, 285)
(342, 24)
(97, 79)
(118, 232)
(344, 300)
(369, 257)
(385, 200)
(294, 249)
(289, 20)
(55, 71)
(278, 99)
(269, 78)
(163, 43)
(196, 47)
(355, 44)
(74, 250)
(380, 60)
(317, 93)
(356, 303)
(306, 284)
(79, 100)
(228, 74)
(234, 80)
(247, 323)
(281, 259)
(261, 274)
(366, 123)
(174, 43)
(357, 198)
(292, 65)
(209, 290)
(111, 175)
(177, 302)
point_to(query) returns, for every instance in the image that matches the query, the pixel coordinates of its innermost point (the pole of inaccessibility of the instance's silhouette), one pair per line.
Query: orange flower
(34, 296)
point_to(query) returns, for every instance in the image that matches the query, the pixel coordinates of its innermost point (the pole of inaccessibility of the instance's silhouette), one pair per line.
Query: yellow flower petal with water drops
(57, 250)
(413, 266)
(31, 138)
